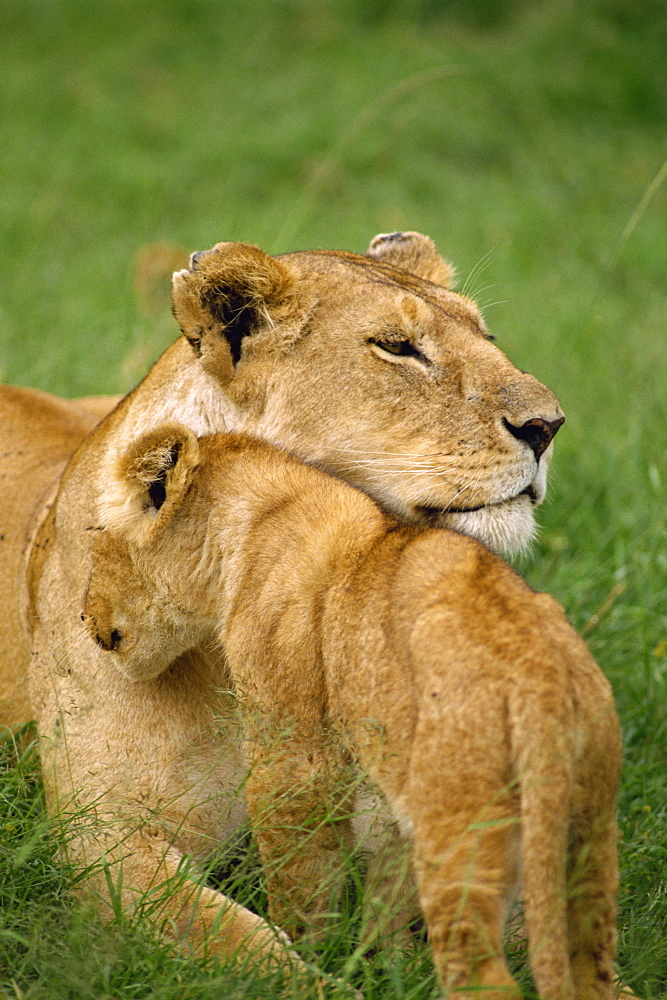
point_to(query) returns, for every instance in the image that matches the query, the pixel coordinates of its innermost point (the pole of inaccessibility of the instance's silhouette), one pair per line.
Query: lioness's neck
(177, 388)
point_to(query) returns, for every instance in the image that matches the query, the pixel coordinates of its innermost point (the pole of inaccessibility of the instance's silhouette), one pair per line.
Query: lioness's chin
(507, 528)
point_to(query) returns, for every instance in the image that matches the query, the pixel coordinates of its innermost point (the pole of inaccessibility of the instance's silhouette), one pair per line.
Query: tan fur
(99, 406)
(377, 374)
(475, 710)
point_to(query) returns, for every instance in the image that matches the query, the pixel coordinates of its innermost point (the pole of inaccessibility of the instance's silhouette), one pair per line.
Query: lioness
(467, 698)
(368, 366)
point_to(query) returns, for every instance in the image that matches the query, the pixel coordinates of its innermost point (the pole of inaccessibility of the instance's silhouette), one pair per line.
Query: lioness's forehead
(414, 297)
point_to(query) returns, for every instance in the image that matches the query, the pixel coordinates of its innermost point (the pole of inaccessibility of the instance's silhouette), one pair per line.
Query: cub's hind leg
(464, 817)
(466, 879)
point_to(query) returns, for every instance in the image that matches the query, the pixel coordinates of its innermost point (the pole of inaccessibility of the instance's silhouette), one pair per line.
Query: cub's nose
(108, 640)
(105, 636)
(536, 432)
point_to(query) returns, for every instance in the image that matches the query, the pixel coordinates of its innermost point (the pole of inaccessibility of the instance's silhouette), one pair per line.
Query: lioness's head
(372, 368)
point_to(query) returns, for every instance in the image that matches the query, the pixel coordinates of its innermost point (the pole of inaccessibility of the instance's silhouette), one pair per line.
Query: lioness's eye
(399, 348)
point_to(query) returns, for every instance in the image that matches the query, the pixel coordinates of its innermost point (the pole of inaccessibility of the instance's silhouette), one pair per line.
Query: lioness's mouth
(430, 513)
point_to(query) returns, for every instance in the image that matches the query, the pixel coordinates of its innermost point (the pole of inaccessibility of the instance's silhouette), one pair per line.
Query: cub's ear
(233, 292)
(143, 488)
(415, 253)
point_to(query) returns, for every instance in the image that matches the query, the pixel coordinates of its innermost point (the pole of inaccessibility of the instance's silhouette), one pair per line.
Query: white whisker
(403, 470)
(373, 453)
(490, 305)
(480, 266)
(484, 288)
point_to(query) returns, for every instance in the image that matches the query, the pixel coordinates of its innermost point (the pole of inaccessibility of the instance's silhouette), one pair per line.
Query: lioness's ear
(413, 252)
(229, 293)
(146, 485)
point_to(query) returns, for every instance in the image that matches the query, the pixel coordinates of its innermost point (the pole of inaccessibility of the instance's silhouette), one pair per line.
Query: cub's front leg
(390, 903)
(308, 807)
(299, 800)
(298, 793)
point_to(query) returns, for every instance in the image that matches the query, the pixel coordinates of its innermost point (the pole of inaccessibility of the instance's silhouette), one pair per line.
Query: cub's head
(371, 367)
(146, 601)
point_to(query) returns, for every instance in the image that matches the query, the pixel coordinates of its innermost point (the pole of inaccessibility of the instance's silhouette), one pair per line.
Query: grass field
(529, 139)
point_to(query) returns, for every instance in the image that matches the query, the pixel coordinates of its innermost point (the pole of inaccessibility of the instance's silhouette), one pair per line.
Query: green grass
(528, 138)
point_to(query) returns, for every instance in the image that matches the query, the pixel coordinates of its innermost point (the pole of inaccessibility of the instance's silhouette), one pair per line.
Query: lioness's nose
(536, 432)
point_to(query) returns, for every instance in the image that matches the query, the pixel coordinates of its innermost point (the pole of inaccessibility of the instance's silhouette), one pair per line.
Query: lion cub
(465, 698)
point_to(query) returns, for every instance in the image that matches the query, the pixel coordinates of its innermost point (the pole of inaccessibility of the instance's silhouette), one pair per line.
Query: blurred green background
(528, 138)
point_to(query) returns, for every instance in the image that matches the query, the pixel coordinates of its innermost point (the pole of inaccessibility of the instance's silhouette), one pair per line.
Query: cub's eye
(399, 348)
